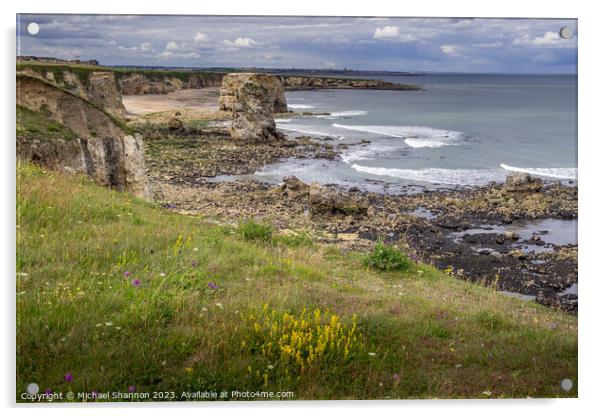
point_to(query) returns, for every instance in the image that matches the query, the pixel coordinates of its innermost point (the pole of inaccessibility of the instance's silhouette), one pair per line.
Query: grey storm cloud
(379, 43)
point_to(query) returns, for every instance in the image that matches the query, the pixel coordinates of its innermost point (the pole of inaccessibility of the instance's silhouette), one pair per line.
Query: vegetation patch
(114, 293)
(386, 257)
(33, 125)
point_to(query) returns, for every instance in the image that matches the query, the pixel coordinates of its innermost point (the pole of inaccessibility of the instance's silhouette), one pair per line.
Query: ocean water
(462, 130)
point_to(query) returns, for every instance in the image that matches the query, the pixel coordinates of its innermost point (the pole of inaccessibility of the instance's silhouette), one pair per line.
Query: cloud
(386, 32)
(330, 64)
(200, 38)
(496, 44)
(548, 39)
(450, 50)
(406, 44)
(178, 55)
(240, 43)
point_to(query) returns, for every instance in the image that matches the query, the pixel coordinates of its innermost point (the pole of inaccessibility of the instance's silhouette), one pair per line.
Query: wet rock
(518, 254)
(175, 123)
(511, 235)
(293, 188)
(325, 200)
(522, 183)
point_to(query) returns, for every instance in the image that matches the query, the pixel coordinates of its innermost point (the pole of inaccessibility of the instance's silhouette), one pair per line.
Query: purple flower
(211, 285)
(414, 256)
(95, 394)
(395, 376)
(194, 263)
(126, 273)
(68, 377)
(136, 282)
(131, 389)
(48, 392)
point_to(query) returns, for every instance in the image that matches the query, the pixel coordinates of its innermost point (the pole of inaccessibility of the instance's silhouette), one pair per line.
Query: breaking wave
(414, 136)
(557, 173)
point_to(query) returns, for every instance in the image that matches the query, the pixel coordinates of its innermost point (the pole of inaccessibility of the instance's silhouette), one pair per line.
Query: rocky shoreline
(465, 232)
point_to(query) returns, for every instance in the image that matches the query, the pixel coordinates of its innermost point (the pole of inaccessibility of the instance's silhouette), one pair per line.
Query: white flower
(162, 274)
(219, 305)
(195, 249)
(109, 323)
(372, 354)
(270, 367)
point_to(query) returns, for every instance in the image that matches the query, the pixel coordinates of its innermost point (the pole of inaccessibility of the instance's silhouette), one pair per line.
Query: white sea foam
(299, 128)
(300, 106)
(343, 114)
(368, 152)
(436, 175)
(557, 173)
(282, 120)
(415, 136)
(418, 143)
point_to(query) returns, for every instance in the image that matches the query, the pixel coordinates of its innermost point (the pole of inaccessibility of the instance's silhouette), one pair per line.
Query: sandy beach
(204, 99)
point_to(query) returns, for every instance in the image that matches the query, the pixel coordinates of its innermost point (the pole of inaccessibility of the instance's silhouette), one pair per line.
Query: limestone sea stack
(231, 83)
(252, 112)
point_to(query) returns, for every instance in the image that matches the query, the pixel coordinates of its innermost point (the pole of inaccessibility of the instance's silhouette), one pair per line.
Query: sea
(461, 130)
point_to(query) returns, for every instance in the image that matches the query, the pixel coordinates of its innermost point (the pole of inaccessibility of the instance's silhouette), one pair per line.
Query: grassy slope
(78, 313)
(36, 125)
(83, 71)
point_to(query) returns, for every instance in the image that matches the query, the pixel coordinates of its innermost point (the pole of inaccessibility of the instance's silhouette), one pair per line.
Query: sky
(360, 43)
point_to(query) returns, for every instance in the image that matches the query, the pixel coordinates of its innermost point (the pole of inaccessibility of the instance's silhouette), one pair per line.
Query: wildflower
(211, 285)
(554, 325)
(95, 394)
(270, 367)
(136, 282)
(204, 309)
(395, 376)
(131, 389)
(372, 354)
(219, 305)
(109, 323)
(162, 274)
(195, 249)
(194, 263)
(189, 370)
(126, 273)
(414, 256)
(68, 377)
(486, 393)
(48, 392)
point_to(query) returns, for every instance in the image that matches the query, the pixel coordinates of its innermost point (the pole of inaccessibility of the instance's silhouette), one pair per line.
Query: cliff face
(232, 83)
(97, 87)
(310, 83)
(96, 145)
(163, 82)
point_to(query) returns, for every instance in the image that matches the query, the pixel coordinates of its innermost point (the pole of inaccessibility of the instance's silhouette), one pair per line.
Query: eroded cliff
(61, 130)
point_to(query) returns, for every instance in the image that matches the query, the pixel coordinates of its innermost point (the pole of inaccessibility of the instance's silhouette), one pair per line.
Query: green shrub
(386, 257)
(252, 231)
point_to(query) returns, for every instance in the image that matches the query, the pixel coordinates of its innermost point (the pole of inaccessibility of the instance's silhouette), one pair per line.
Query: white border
(589, 171)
